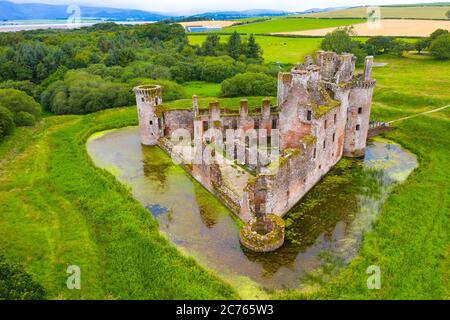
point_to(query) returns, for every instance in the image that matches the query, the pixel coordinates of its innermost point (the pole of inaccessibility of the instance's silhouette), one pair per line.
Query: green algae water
(324, 228)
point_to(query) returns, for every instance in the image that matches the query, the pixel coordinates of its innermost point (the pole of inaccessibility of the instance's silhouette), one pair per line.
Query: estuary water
(323, 231)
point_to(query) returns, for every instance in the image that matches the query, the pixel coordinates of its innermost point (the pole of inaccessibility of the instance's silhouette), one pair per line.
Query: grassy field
(405, 12)
(289, 24)
(201, 89)
(276, 49)
(56, 209)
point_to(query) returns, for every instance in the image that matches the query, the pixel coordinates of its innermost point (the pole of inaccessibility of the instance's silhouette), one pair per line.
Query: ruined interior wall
(178, 119)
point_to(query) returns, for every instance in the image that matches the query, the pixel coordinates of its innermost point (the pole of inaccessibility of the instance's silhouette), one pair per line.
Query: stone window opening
(274, 123)
(205, 125)
(256, 124)
(334, 136)
(143, 99)
(335, 118)
(159, 124)
(234, 124)
(359, 110)
(151, 122)
(357, 127)
(324, 144)
(325, 124)
(309, 115)
(314, 153)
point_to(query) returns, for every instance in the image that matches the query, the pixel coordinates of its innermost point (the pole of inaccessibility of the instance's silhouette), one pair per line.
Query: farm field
(56, 206)
(214, 23)
(275, 49)
(288, 24)
(391, 27)
(404, 12)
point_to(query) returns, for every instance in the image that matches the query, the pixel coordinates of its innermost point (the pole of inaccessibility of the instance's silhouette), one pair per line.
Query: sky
(197, 6)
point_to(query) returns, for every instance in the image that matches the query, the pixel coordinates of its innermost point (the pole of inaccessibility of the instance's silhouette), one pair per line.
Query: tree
(17, 101)
(448, 14)
(234, 47)
(437, 33)
(217, 69)
(17, 284)
(253, 49)
(338, 41)
(6, 122)
(249, 84)
(440, 48)
(421, 45)
(210, 46)
(81, 92)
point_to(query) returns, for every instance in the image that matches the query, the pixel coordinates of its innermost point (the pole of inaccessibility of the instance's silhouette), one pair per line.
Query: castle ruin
(322, 114)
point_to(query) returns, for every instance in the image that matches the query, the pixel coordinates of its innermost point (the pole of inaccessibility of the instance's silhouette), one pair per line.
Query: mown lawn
(289, 24)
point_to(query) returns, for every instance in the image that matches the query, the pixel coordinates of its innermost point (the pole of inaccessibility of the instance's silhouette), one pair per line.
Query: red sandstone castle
(322, 114)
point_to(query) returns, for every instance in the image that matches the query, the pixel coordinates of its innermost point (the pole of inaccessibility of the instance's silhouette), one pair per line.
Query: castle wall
(323, 113)
(178, 119)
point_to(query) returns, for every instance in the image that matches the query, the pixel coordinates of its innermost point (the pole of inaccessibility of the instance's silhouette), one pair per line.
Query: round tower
(358, 112)
(148, 98)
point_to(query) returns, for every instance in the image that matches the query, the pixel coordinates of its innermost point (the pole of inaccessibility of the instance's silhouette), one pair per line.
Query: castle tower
(148, 98)
(358, 112)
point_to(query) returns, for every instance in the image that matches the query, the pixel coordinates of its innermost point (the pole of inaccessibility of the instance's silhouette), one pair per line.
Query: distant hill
(22, 11)
(412, 11)
(229, 15)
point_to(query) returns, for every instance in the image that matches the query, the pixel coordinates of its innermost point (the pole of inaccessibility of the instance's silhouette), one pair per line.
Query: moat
(323, 229)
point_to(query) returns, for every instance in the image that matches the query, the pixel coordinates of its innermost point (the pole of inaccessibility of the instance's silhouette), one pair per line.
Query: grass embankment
(410, 241)
(289, 24)
(57, 209)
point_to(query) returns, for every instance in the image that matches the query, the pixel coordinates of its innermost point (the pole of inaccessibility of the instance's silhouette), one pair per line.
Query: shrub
(16, 101)
(217, 69)
(6, 122)
(81, 92)
(184, 71)
(26, 86)
(16, 284)
(440, 48)
(249, 84)
(23, 119)
(171, 90)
